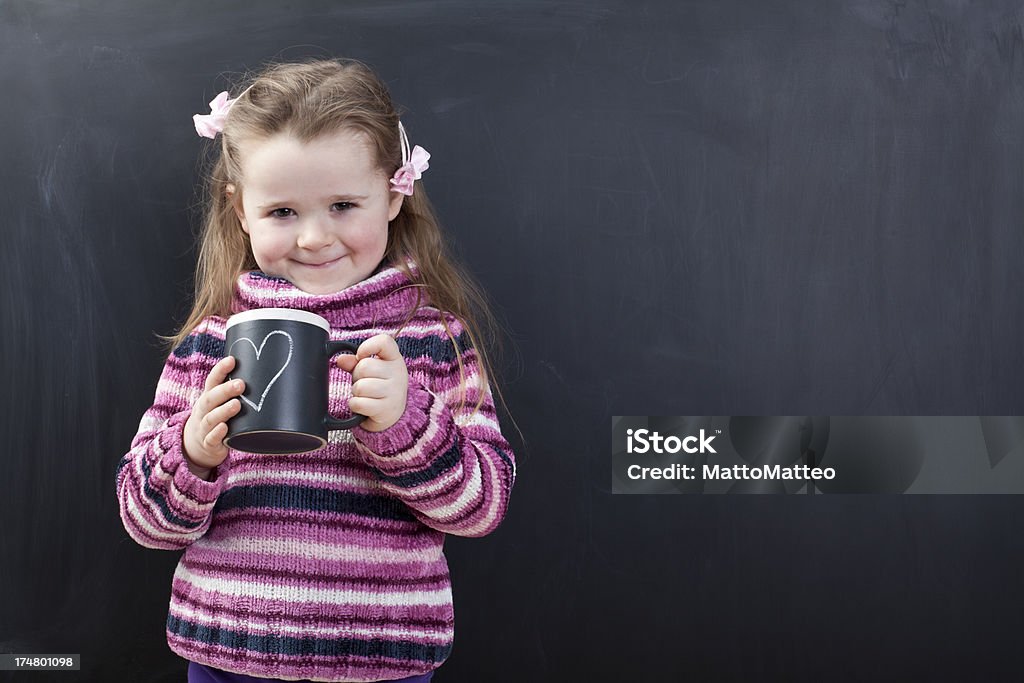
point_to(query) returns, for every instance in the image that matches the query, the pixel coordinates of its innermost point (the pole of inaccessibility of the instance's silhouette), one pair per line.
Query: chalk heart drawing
(291, 347)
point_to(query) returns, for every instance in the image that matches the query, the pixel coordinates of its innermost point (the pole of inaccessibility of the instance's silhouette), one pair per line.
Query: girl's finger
(215, 436)
(225, 412)
(219, 394)
(363, 406)
(381, 345)
(225, 392)
(219, 372)
(371, 367)
(370, 387)
(347, 361)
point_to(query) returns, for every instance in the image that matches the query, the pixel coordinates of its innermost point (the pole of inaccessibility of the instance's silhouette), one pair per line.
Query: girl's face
(316, 214)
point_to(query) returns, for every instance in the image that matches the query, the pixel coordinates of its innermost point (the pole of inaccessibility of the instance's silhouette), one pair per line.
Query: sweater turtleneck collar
(386, 296)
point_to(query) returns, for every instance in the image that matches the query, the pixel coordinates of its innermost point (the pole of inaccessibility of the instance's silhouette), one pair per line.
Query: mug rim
(291, 432)
(279, 314)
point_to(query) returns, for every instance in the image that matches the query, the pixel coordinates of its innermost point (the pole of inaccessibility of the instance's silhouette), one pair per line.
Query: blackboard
(677, 208)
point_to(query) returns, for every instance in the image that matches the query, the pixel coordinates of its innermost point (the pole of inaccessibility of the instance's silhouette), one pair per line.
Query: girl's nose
(314, 234)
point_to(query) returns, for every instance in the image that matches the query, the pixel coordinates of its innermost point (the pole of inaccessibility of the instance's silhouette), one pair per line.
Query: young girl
(328, 565)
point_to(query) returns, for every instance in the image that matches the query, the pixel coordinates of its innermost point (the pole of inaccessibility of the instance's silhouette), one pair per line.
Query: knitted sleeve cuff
(196, 495)
(410, 429)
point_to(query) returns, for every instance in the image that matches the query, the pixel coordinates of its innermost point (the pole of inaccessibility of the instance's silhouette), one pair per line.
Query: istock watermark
(648, 441)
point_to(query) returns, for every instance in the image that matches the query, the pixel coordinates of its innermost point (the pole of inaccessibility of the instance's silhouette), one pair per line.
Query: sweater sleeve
(163, 505)
(449, 464)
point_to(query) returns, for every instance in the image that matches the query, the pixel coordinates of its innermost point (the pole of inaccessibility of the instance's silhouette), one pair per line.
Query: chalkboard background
(680, 208)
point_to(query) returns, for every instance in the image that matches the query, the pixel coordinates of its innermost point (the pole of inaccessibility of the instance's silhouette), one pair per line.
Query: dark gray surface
(731, 207)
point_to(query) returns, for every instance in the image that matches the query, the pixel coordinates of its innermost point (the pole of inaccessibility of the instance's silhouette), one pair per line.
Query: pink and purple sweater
(326, 565)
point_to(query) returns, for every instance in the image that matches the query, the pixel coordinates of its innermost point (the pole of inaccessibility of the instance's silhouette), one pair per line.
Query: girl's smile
(323, 265)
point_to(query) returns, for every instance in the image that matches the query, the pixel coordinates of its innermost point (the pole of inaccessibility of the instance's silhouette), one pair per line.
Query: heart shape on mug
(291, 347)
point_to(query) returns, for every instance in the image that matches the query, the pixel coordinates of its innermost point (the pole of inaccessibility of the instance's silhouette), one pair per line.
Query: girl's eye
(341, 206)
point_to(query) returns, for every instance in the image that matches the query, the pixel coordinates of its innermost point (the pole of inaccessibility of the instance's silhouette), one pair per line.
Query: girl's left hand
(380, 385)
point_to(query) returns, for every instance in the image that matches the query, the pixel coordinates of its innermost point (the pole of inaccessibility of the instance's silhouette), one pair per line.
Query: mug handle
(333, 347)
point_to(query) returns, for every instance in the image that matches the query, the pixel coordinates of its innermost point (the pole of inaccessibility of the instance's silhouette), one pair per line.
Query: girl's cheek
(273, 246)
(371, 235)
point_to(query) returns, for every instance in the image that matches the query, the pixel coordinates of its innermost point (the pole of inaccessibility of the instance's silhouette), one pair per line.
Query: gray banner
(814, 454)
(15, 662)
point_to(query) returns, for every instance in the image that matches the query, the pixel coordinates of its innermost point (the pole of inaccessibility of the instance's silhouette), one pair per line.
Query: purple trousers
(197, 673)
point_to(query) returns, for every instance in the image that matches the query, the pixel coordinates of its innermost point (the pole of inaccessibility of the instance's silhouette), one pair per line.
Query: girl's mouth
(322, 265)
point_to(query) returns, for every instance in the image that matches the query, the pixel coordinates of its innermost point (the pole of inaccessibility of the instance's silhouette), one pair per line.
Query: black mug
(282, 355)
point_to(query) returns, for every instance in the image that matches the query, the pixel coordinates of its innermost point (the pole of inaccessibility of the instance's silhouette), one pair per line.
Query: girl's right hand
(207, 426)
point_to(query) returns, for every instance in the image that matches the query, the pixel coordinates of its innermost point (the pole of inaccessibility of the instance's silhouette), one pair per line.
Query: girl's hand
(380, 385)
(207, 426)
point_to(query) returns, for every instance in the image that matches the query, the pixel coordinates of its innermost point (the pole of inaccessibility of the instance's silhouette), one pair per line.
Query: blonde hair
(307, 100)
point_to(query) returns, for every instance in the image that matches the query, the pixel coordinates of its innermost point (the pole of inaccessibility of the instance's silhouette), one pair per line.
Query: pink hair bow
(413, 165)
(208, 125)
(410, 171)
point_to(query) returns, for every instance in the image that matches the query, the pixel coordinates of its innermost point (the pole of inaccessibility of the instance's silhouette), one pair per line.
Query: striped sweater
(326, 565)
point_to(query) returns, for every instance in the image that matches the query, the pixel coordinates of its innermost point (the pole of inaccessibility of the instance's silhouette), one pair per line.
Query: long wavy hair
(306, 100)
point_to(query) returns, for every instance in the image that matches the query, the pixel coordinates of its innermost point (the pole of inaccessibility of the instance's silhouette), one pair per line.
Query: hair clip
(413, 165)
(208, 125)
